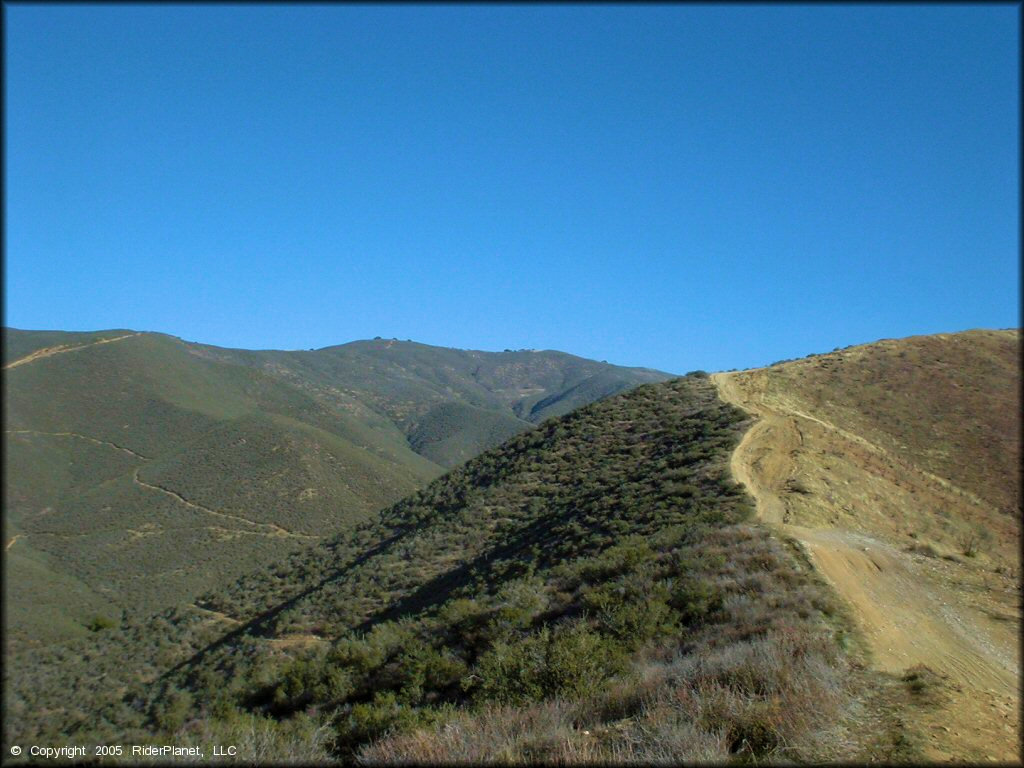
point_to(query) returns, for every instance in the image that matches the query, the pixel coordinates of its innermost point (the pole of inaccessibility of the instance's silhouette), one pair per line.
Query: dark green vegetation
(591, 590)
(141, 469)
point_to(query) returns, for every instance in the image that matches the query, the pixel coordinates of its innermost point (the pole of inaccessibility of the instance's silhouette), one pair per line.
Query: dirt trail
(60, 349)
(266, 529)
(271, 528)
(11, 542)
(80, 437)
(906, 612)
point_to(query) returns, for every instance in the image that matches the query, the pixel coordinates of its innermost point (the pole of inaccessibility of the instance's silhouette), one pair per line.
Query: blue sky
(675, 186)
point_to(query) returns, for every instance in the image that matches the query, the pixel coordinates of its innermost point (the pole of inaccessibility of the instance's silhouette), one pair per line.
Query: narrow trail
(60, 349)
(906, 614)
(273, 529)
(11, 542)
(80, 437)
(265, 529)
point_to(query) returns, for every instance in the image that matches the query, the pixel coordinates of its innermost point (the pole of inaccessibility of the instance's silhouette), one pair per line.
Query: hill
(896, 464)
(142, 469)
(600, 589)
(591, 590)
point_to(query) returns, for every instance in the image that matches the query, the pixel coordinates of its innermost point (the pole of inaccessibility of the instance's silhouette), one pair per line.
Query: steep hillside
(896, 464)
(141, 469)
(591, 590)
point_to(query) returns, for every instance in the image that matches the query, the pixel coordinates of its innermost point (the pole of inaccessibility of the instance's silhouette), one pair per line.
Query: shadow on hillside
(268, 616)
(439, 589)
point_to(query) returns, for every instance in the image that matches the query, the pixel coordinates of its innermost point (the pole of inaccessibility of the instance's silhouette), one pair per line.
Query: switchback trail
(60, 349)
(908, 611)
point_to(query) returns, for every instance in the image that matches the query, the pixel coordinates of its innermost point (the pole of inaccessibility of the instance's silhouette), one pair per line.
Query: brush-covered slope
(141, 468)
(897, 465)
(455, 432)
(591, 590)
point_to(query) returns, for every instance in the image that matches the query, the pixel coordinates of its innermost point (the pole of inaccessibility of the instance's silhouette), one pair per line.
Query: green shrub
(569, 661)
(695, 600)
(385, 714)
(98, 623)
(300, 683)
(423, 672)
(620, 558)
(170, 715)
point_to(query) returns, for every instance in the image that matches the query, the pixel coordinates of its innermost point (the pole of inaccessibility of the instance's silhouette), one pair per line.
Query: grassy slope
(263, 450)
(941, 412)
(934, 399)
(589, 590)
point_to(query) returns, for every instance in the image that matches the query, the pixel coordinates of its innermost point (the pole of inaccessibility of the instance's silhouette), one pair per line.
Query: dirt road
(911, 609)
(60, 349)
(265, 529)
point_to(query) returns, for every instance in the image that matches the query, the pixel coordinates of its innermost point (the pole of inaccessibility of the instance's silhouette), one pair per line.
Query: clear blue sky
(676, 186)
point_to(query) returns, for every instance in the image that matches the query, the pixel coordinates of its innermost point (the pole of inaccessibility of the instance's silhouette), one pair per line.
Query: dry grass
(933, 420)
(777, 697)
(258, 740)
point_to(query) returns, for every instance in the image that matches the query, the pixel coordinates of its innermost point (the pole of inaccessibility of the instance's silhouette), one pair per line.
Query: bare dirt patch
(297, 640)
